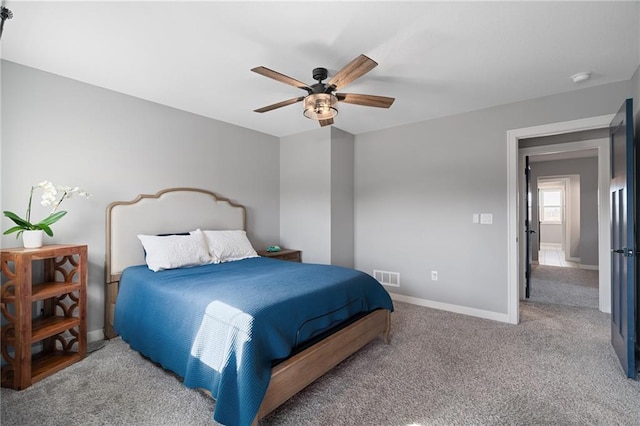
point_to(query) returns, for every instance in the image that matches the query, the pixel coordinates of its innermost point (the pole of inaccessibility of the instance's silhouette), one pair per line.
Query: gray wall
(342, 213)
(305, 194)
(418, 185)
(415, 186)
(550, 233)
(587, 169)
(116, 147)
(576, 217)
(316, 195)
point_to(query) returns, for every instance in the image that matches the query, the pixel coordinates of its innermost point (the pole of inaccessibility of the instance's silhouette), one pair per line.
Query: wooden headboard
(172, 210)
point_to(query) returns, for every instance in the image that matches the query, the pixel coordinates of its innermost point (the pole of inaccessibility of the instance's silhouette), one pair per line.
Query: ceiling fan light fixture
(320, 106)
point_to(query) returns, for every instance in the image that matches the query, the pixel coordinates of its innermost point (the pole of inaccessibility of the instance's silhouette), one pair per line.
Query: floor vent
(387, 278)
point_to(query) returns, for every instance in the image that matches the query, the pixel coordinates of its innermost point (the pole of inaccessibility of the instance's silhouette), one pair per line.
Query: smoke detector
(580, 77)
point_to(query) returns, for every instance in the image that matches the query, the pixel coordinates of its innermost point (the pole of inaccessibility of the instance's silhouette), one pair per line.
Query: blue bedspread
(221, 326)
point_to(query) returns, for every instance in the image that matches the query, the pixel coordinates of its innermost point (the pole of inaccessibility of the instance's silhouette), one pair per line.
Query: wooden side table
(61, 326)
(284, 254)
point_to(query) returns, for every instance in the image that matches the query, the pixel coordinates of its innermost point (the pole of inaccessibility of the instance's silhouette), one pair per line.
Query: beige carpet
(564, 286)
(555, 368)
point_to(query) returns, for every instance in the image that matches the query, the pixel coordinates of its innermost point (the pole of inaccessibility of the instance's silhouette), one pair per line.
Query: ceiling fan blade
(327, 122)
(354, 69)
(366, 100)
(281, 78)
(279, 104)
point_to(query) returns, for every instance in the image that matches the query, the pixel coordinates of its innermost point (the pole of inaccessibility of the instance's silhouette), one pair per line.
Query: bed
(252, 331)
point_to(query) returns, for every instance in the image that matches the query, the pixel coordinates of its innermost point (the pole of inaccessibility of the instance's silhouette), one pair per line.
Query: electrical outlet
(434, 275)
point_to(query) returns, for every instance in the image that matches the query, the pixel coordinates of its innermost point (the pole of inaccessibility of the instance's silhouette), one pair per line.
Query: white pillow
(227, 246)
(175, 251)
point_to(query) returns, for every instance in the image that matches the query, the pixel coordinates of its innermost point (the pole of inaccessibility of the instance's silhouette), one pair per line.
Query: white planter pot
(32, 239)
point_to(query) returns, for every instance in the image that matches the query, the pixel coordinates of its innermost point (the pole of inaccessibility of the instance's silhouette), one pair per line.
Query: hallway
(553, 255)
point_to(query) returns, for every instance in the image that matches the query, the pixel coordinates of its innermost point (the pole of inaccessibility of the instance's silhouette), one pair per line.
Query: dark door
(623, 265)
(527, 226)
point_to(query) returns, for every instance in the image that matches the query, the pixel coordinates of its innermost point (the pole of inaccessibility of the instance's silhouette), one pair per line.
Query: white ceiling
(435, 58)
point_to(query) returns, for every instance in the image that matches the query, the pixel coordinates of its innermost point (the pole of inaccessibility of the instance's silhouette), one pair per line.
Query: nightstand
(284, 254)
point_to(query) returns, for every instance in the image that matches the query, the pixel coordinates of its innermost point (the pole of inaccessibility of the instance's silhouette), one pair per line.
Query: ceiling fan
(321, 100)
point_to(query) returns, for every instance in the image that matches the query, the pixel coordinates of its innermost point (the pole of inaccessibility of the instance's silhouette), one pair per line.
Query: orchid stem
(29, 207)
(59, 202)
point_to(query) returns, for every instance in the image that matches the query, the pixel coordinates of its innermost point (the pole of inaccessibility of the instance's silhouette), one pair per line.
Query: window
(551, 205)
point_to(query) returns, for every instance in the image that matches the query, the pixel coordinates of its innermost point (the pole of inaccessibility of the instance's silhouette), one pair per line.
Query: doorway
(515, 188)
(564, 195)
(554, 167)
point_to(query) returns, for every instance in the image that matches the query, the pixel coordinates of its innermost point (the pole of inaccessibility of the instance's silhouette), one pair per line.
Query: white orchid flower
(48, 198)
(46, 186)
(67, 192)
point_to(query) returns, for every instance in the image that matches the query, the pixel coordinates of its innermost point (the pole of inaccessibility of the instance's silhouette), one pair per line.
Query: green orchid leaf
(18, 220)
(52, 219)
(45, 228)
(12, 230)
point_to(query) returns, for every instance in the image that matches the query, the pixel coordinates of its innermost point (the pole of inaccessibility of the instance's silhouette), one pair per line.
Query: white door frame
(515, 249)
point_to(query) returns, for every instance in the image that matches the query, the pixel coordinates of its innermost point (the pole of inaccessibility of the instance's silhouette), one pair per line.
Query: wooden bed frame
(176, 210)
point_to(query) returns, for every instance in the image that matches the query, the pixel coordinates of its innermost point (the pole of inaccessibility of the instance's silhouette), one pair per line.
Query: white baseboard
(589, 267)
(573, 259)
(479, 313)
(554, 246)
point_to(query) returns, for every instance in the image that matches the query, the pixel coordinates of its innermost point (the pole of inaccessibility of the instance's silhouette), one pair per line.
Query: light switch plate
(476, 218)
(486, 218)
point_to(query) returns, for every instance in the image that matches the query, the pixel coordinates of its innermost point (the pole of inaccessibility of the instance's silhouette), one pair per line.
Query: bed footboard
(299, 371)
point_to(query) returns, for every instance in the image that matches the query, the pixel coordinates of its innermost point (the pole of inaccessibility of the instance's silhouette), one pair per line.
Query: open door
(527, 227)
(623, 250)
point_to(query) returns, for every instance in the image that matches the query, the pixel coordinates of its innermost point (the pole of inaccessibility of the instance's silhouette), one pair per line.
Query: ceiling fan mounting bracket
(320, 74)
(320, 88)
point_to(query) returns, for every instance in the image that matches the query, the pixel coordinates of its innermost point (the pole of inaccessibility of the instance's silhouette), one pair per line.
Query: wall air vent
(387, 278)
